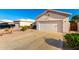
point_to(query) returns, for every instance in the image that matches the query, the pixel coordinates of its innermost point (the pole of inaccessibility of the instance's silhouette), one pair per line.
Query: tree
(75, 18)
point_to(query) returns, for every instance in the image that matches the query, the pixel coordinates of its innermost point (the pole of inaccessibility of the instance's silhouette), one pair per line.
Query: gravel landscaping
(31, 40)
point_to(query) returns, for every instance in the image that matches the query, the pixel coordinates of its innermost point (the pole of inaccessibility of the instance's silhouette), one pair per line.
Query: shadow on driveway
(54, 42)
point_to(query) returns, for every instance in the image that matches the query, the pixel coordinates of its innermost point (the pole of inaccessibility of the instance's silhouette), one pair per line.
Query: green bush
(23, 28)
(72, 40)
(28, 26)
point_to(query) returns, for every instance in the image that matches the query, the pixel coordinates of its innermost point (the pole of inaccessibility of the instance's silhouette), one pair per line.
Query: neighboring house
(6, 24)
(7, 21)
(53, 21)
(1, 21)
(23, 22)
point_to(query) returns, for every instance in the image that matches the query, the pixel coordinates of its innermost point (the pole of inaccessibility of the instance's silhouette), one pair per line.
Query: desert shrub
(7, 29)
(72, 40)
(28, 27)
(23, 28)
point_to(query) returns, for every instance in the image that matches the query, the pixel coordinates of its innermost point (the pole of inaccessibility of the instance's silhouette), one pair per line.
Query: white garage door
(47, 27)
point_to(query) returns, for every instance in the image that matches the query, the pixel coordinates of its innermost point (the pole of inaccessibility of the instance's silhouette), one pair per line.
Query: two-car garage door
(48, 27)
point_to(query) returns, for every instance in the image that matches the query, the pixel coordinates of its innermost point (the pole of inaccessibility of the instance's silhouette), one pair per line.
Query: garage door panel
(48, 27)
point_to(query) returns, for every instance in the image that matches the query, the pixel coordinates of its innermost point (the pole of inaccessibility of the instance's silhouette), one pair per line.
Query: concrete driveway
(31, 40)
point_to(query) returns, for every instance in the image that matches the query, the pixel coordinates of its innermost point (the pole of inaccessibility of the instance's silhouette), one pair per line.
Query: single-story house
(23, 22)
(7, 21)
(6, 24)
(53, 21)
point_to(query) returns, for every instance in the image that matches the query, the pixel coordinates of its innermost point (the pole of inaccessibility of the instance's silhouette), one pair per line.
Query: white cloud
(6, 20)
(22, 19)
(26, 19)
(30, 20)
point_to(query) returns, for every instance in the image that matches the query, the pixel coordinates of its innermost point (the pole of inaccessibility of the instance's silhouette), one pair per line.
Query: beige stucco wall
(78, 26)
(58, 23)
(66, 25)
(62, 21)
(51, 16)
(25, 23)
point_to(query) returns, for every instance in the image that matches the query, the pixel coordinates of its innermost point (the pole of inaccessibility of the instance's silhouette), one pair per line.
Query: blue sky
(14, 14)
